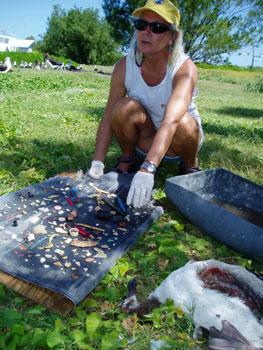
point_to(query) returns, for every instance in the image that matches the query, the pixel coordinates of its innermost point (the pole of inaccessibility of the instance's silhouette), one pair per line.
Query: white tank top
(155, 98)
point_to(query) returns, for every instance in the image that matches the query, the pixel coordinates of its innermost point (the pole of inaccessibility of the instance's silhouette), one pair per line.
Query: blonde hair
(177, 49)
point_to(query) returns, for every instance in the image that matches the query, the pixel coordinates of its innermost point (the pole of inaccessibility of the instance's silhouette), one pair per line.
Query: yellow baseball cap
(164, 8)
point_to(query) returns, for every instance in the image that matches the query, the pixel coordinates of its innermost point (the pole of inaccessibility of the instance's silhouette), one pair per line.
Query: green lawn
(48, 123)
(233, 123)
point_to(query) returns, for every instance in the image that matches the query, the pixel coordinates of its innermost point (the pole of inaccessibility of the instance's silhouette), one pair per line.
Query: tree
(79, 35)
(211, 28)
(117, 14)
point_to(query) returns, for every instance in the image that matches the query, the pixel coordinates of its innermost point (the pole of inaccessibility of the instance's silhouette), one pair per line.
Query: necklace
(138, 63)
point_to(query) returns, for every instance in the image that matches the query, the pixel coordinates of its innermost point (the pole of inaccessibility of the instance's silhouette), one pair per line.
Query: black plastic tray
(222, 204)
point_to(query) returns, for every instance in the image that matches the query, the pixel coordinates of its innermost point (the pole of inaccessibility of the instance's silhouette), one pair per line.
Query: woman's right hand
(96, 169)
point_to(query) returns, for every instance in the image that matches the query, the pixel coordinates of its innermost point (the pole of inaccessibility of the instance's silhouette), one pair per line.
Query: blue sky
(23, 18)
(244, 57)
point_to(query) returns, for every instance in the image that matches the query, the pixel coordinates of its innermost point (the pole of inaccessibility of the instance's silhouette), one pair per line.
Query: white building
(9, 44)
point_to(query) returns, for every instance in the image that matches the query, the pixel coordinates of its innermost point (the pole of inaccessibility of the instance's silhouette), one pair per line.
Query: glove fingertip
(130, 196)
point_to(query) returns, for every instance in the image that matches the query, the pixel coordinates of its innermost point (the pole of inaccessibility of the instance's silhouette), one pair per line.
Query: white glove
(141, 189)
(96, 169)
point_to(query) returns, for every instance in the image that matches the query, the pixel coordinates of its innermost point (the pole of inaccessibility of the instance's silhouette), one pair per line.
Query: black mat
(49, 260)
(224, 205)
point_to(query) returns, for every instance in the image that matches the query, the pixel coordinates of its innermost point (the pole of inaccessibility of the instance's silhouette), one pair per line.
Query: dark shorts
(166, 158)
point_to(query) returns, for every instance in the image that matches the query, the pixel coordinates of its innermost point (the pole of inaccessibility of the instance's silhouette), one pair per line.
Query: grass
(233, 119)
(48, 123)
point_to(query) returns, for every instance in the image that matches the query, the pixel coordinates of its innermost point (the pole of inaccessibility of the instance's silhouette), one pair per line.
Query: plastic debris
(158, 344)
(30, 237)
(74, 232)
(39, 229)
(83, 244)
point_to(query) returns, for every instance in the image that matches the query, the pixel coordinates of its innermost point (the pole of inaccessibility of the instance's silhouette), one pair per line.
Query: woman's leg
(132, 127)
(186, 141)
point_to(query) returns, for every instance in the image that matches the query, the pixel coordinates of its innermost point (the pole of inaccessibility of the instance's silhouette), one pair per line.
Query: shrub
(222, 67)
(28, 57)
(256, 86)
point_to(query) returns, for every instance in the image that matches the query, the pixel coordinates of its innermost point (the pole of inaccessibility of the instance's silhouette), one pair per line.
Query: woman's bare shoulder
(118, 89)
(120, 67)
(187, 71)
(188, 65)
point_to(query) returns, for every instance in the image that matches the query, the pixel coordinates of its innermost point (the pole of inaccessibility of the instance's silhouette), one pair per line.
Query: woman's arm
(183, 86)
(117, 91)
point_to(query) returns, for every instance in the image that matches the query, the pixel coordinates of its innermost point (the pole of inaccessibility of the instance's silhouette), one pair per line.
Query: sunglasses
(155, 27)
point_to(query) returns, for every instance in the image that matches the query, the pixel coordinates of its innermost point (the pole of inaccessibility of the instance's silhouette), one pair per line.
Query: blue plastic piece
(74, 191)
(121, 204)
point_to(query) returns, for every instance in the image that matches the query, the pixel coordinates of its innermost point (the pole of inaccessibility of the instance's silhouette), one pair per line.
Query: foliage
(35, 329)
(48, 123)
(210, 28)
(242, 77)
(217, 27)
(28, 57)
(256, 85)
(80, 35)
(117, 14)
(228, 67)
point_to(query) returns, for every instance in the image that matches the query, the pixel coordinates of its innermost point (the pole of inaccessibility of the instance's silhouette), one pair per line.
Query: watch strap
(150, 161)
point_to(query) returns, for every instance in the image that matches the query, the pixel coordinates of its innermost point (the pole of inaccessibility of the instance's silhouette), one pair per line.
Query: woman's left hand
(140, 189)
(96, 169)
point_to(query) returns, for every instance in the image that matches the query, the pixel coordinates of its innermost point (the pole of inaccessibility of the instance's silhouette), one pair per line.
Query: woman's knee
(125, 108)
(129, 112)
(189, 128)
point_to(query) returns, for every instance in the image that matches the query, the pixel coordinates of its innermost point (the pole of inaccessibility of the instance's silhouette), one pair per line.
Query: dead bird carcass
(216, 294)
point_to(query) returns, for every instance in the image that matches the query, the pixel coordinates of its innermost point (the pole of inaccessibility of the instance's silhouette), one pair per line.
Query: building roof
(10, 41)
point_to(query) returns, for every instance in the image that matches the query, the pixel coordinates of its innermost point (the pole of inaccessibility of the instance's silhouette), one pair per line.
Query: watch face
(149, 167)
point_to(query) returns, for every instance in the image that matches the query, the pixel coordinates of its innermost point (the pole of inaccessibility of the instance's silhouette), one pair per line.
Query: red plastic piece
(82, 231)
(70, 201)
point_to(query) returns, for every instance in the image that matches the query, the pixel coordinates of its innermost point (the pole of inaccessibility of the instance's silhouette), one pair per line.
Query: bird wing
(228, 338)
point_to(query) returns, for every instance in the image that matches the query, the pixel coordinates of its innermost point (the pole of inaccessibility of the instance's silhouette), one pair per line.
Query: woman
(158, 118)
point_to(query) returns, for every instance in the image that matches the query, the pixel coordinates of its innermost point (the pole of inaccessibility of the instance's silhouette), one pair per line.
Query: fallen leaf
(106, 306)
(162, 263)
(129, 324)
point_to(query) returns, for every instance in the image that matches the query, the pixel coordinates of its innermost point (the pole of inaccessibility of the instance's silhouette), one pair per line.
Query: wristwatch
(151, 167)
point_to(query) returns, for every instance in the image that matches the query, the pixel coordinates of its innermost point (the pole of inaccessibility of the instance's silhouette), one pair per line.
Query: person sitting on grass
(150, 107)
